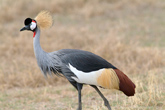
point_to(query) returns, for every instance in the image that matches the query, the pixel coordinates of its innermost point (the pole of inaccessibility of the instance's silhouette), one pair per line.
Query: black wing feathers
(83, 60)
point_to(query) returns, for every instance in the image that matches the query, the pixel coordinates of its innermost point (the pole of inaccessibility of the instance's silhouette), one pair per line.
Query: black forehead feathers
(27, 21)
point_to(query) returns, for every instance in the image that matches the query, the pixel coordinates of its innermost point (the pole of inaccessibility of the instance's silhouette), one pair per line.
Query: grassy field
(128, 33)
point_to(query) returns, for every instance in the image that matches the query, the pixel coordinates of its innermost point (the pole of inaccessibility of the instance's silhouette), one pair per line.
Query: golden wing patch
(108, 79)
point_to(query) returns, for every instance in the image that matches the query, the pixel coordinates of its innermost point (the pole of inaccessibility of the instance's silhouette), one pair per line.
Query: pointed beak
(25, 28)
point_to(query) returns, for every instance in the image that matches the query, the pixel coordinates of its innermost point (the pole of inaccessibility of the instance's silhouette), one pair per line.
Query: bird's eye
(33, 25)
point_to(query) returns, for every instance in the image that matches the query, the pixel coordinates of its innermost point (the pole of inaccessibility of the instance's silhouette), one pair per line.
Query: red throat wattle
(34, 34)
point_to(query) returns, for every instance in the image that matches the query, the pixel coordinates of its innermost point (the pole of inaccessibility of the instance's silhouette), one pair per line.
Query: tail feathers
(125, 85)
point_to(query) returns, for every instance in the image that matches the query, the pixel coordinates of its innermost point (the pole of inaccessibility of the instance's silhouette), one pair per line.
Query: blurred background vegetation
(128, 33)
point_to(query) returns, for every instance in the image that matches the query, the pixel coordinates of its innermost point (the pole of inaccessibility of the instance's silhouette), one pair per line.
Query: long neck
(38, 51)
(46, 61)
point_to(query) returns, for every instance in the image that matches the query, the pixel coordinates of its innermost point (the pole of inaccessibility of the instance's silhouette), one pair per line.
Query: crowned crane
(78, 66)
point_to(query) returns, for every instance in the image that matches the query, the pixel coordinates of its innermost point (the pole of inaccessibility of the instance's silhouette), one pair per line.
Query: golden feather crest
(44, 20)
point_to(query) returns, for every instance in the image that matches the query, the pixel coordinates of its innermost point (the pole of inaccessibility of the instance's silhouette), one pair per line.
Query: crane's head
(43, 20)
(30, 25)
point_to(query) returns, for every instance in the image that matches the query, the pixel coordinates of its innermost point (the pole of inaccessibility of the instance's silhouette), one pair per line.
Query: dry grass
(129, 34)
(149, 96)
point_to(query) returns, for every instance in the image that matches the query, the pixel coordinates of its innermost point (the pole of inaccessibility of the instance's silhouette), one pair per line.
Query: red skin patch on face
(34, 31)
(33, 21)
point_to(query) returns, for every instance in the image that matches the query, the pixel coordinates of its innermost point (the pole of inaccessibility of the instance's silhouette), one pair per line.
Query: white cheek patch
(33, 25)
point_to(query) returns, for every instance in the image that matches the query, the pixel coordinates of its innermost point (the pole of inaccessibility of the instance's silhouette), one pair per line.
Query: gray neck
(46, 61)
(38, 51)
